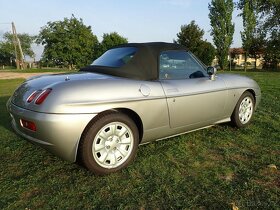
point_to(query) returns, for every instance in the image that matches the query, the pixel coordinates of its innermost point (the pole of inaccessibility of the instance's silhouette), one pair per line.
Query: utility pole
(19, 57)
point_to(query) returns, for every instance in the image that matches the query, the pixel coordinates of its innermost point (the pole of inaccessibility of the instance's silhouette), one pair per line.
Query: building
(237, 57)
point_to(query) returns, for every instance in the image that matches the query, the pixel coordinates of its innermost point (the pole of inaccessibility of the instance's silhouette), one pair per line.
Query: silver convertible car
(133, 94)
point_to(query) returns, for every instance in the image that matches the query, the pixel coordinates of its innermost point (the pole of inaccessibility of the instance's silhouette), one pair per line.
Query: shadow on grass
(5, 121)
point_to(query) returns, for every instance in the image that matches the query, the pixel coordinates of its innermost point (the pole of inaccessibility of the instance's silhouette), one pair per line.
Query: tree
(191, 37)
(206, 52)
(7, 50)
(110, 40)
(222, 28)
(270, 15)
(261, 33)
(249, 10)
(272, 52)
(257, 48)
(7, 55)
(68, 43)
(270, 24)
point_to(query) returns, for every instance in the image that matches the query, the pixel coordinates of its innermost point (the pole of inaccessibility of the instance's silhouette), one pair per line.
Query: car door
(192, 98)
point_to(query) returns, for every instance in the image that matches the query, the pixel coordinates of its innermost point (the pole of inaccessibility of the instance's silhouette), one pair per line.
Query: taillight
(28, 124)
(43, 95)
(32, 96)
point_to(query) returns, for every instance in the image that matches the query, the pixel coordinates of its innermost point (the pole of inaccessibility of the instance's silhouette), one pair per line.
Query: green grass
(208, 169)
(37, 70)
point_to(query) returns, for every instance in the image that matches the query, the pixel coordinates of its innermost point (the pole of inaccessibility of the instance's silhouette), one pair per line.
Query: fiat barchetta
(133, 94)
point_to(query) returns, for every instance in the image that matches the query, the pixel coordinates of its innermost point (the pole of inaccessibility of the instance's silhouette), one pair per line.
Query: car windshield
(115, 57)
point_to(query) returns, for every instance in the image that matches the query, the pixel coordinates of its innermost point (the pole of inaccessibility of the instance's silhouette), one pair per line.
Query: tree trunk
(245, 63)
(17, 64)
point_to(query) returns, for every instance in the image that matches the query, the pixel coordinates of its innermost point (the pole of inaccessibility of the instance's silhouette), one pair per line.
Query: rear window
(115, 57)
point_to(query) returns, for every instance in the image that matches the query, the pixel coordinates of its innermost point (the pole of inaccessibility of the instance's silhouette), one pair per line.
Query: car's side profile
(131, 95)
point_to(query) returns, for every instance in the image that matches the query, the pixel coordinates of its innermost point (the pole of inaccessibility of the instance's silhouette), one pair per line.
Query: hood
(43, 82)
(235, 81)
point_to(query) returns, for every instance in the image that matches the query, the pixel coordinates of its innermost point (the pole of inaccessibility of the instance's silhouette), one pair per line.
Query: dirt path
(13, 75)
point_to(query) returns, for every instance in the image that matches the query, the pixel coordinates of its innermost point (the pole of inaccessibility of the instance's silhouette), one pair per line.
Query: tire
(244, 110)
(109, 144)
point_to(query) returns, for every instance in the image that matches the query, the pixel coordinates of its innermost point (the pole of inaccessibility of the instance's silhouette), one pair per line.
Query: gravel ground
(13, 75)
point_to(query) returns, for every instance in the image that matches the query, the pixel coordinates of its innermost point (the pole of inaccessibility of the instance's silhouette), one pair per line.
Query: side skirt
(171, 136)
(167, 137)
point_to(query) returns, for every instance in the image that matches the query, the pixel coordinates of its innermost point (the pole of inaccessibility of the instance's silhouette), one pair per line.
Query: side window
(179, 65)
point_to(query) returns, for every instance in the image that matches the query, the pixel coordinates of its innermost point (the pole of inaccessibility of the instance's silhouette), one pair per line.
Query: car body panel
(201, 107)
(54, 132)
(165, 107)
(190, 100)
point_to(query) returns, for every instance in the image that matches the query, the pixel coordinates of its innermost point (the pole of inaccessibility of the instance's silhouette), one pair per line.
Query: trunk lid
(43, 82)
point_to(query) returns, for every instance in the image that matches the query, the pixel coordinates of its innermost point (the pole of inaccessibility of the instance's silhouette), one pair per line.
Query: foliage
(7, 50)
(261, 30)
(222, 28)
(249, 10)
(272, 52)
(7, 56)
(212, 168)
(68, 43)
(257, 48)
(191, 37)
(270, 24)
(270, 15)
(110, 40)
(206, 52)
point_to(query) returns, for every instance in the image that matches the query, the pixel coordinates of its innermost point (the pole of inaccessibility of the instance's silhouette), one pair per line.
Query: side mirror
(211, 71)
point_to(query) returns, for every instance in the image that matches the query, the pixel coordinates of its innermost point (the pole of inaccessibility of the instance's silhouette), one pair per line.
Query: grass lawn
(37, 70)
(215, 168)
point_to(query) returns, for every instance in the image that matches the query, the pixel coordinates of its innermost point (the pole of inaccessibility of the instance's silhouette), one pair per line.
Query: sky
(138, 21)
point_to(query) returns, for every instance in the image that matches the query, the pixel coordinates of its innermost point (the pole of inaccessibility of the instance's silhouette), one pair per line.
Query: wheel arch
(234, 116)
(246, 90)
(130, 113)
(136, 118)
(253, 93)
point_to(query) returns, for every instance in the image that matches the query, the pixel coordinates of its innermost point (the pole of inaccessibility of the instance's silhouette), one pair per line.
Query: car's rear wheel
(109, 143)
(244, 110)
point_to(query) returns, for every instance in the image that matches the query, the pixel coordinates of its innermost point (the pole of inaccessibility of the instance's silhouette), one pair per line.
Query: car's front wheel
(109, 144)
(244, 110)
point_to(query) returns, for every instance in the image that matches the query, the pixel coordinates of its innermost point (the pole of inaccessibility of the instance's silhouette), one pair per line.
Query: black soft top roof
(143, 65)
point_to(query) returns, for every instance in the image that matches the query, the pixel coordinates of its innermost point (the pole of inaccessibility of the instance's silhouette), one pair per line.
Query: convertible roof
(143, 65)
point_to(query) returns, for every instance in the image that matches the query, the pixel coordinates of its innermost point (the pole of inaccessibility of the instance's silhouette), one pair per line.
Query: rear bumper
(58, 133)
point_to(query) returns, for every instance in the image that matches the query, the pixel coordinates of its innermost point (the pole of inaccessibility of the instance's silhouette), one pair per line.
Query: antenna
(16, 41)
